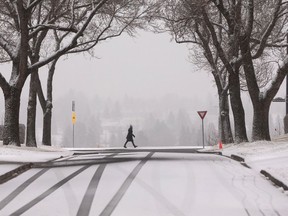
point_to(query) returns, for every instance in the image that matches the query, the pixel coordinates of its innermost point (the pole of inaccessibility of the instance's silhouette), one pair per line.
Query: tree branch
(216, 42)
(250, 19)
(268, 31)
(72, 43)
(4, 84)
(33, 4)
(219, 4)
(40, 94)
(50, 26)
(8, 49)
(277, 81)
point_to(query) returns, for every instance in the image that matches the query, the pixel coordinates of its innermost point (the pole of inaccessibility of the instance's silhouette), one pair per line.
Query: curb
(13, 173)
(210, 152)
(21, 169)
(240, 159)
(274, 180)
(263, 172)
(237, 158)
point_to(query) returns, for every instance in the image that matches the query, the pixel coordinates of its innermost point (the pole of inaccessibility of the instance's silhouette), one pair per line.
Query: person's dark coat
(130, 135)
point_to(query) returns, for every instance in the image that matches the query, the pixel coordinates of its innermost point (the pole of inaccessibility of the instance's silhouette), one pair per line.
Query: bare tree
(21, 21)
(184, 20)
(243, 36)
(263, 35)
(254, 36)
(122, 18)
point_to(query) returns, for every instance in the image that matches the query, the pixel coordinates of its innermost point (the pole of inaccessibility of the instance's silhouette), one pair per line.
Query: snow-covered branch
(4, 84)
(5, 45)
(268, 31)
(33, 4)
(73, 41)
(281, 72)
(42, 27)
(216, 43)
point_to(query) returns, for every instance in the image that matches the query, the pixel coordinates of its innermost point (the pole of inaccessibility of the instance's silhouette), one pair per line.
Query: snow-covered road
(142, 183)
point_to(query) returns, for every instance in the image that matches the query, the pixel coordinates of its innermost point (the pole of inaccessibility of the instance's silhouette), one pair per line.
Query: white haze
(145, 81)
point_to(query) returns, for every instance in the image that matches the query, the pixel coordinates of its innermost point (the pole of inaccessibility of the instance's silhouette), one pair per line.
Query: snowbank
(263, 155)
(31, 154)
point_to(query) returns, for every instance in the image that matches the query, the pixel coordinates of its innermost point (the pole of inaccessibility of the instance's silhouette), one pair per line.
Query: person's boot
(125, 146)
(135, 146)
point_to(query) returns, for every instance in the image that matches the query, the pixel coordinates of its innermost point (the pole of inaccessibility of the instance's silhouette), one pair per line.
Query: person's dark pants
(130, 141)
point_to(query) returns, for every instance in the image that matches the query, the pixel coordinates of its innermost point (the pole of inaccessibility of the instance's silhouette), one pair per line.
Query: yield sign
(202, 114)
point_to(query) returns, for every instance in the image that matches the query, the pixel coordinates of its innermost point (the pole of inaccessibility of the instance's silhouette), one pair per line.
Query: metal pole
(73, 135)
(203, 131)
(73, 118)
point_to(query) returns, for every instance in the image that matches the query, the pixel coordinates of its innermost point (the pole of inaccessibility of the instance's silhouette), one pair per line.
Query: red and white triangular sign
(202, 114)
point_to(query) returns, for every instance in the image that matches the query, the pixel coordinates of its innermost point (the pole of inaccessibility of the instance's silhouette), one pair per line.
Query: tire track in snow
(110, 207)
(21, 188)
(269, 197)
(239, 193)
(161, 198)
(87, 201)
(48, 192)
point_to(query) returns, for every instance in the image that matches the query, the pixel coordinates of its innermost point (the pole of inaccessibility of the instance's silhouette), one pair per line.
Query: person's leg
(133, 144)
(125, 144)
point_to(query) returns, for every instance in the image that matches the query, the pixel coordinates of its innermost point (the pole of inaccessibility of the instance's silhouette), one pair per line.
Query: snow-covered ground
(168, 184)
(30, 154)
(263, 155)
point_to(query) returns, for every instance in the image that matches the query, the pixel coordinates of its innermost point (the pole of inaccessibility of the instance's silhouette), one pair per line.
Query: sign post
(202, 115)
(73, 118)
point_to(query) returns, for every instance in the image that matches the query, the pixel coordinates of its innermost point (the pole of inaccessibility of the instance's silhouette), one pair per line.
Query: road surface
(122, 183)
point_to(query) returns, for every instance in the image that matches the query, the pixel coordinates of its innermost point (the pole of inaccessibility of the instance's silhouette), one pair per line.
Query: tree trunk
(47, 119)
(47, 109)
(237, 108)
(11, 121)
(261, 102)
(261, 122)
(224, 126)
(225, 132)
(31, 113)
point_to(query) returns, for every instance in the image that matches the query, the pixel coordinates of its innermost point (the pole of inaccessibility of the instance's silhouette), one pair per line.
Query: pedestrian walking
(129, 137)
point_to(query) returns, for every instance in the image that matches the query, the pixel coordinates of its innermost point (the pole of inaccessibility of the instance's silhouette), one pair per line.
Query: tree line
(172, 129)
(241, 42)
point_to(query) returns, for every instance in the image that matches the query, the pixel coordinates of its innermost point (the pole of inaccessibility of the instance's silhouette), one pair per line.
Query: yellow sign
(73, 117)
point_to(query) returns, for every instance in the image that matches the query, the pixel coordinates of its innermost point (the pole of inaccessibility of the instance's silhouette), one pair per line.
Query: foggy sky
(147, 66)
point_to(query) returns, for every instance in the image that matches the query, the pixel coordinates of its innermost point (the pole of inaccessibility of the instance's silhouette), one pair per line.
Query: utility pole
(73, 119)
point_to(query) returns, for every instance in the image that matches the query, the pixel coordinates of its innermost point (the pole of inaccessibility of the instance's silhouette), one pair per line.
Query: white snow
(210, 180)
(262, 155)
(270, 156)
(30, 154)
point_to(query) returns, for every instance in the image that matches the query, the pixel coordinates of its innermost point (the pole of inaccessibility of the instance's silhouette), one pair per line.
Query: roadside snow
(263, 155)
(30, 154)
(269, 156)
(12, 157)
